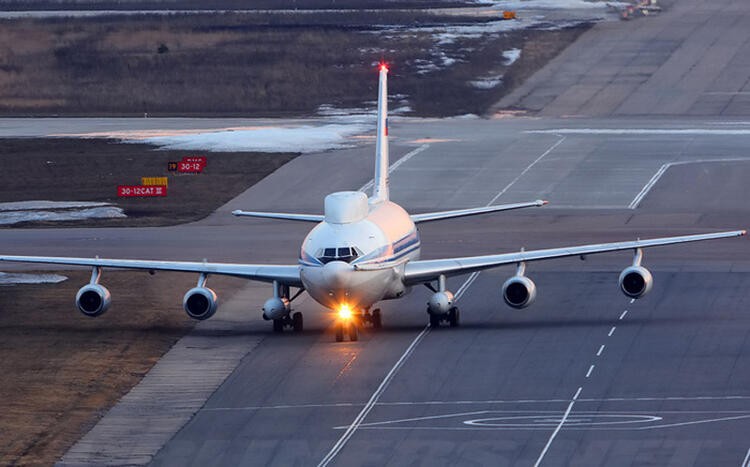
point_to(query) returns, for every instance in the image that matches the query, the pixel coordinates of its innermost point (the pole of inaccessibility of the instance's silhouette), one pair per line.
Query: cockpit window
(346, 254)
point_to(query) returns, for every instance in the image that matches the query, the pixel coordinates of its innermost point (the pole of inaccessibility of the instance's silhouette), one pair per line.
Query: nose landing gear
(349, 326)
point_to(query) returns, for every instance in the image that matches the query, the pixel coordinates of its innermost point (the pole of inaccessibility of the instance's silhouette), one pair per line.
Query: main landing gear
(453, 318)
(349, 325)
(295, 321)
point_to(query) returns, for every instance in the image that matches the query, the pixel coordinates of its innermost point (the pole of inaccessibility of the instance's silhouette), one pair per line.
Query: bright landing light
(345, 312)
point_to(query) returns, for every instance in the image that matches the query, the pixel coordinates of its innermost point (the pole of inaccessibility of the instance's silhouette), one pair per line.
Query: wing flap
(428, 270)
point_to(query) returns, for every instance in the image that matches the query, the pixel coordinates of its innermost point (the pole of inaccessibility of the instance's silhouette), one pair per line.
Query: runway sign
(190, 167)
(172, 166)
(154, 181)
(199, 159)
(131, 191)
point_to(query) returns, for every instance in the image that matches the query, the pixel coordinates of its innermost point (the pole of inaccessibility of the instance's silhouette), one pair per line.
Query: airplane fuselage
(358, 260)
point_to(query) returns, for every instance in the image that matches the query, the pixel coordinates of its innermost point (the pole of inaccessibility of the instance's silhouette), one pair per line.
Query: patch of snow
(304, 139)
(511, 56)
(487, 83)
(104, 212)
(40, 204)
(550, 4)
(18, 278)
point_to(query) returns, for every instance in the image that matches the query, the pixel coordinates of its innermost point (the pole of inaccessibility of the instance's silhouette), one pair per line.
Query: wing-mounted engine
(200, 302)
(93, 299)
(636, 281)
(519, 291)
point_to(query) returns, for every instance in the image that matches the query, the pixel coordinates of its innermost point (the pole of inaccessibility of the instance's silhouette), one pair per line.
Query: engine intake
(200, 303)
(636, 281)
(276, 308)
(440, 303)
(519, 292)
(93, 300)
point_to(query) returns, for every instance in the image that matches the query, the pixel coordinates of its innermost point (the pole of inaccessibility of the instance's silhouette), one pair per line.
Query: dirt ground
(92, 168)
(63, 370)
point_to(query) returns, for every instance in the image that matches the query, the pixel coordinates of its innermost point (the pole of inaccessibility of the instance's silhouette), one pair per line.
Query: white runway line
(385, 383)
(611, 331)
(545, 153)
(644, 131)
(659, 173)
(557, 430)
(622, 316)
(746, 461)
(396, 164)
(591, 368)
(601, 349)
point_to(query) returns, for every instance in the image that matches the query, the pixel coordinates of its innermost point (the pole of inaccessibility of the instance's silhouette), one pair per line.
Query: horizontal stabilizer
(281, 215)
(434, 216)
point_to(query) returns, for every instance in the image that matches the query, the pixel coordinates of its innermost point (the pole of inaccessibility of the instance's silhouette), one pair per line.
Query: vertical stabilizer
(380, 185)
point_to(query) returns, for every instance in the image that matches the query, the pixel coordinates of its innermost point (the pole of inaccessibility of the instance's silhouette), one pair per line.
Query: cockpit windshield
(346, 254)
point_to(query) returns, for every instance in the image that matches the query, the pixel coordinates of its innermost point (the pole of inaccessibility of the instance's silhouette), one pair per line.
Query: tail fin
(380, 182)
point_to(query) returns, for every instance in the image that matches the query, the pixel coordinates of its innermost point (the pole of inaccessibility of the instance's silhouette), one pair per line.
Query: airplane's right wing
(280, 215)
(423, 271)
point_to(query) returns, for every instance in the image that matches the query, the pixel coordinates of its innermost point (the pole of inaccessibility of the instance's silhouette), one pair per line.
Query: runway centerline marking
(559, 426)
(611, 331)
(591, 368)
(746, 461)
(545, 153)
(352, 428)
(601, 349)
(623, 315)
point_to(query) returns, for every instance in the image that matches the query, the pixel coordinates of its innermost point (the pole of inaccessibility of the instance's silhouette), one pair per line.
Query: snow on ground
(487, 83)
(511, 56)
(304, 138)
(18, 278)
(550, 4)
(56, 211)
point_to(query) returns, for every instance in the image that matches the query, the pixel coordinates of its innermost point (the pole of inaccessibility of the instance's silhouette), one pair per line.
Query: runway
(661, 381)
(583, 377)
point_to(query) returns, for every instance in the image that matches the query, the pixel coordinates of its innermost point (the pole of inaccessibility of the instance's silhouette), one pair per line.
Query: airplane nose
(337, 274)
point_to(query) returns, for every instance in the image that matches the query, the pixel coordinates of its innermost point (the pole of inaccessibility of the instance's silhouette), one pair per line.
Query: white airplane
(365, 250)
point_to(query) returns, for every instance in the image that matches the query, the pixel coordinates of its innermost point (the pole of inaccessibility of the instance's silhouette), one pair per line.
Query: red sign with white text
(129, 191)
(190, 167)
(199, 159)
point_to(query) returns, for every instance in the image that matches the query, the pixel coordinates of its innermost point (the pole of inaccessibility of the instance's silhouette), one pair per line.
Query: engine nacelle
(636, 281)
(276, 308)
(440, 303)
(200, 303)
(519, 292)
(93, 300)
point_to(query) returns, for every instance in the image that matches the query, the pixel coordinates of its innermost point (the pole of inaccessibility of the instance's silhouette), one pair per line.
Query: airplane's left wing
(284, 274)
(280, 215)
(429, 270)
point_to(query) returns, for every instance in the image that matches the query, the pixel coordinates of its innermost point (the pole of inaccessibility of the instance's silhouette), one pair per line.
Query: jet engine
(93, 300)
(276, 308)
(200, 303)
(636, 281)
(519, 291)
(440, 303)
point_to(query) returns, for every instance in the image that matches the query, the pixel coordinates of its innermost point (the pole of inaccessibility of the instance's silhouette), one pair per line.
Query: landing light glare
(345, 312)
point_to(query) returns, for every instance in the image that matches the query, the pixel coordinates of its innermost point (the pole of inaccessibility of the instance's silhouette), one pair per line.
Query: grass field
(254, 65)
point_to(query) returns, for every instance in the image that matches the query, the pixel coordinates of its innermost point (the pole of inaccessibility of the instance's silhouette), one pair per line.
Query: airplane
(364, 250)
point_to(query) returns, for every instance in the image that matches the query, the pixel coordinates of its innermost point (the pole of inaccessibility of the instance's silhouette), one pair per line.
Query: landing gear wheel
(353, 332)
(435, 321)
(297, 322)
(339, 332)
(377, 321)
(454, 317)
(278, 325)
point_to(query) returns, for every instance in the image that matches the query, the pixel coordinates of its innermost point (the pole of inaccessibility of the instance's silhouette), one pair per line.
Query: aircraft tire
(339, 332)
(434, 321)
(278, 325)
(454, 317)
(297, 322)
(377, 321)
(353, 332)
